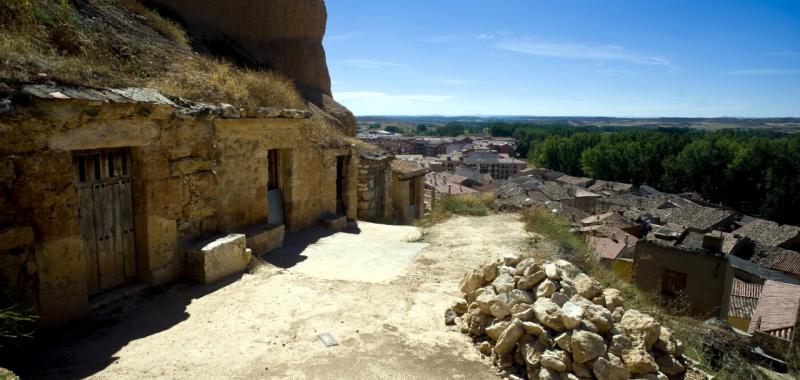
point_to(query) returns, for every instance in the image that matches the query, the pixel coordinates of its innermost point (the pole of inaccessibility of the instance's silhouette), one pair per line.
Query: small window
(673, 283)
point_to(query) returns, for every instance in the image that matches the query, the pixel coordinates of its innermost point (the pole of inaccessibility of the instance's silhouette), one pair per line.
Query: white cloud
(373, 97)
(339, 37)
(485, 36)
(579, 51)
(440, 38)
(367, 63)
(763, 72)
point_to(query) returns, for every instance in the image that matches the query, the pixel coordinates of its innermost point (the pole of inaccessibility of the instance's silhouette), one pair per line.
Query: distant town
(743, 269)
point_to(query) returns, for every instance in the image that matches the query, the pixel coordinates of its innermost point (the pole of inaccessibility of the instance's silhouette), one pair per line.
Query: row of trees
(752, 171)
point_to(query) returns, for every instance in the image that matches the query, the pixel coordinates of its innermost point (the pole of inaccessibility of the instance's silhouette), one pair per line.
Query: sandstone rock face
(569, 334)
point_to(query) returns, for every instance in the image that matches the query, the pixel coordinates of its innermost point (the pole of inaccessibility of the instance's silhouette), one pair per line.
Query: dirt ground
(381, 293)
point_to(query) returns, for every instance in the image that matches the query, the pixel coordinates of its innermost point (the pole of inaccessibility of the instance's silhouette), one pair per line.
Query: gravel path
(389, 323)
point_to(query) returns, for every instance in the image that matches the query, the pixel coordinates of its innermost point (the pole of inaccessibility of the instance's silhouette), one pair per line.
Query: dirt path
(265, 324)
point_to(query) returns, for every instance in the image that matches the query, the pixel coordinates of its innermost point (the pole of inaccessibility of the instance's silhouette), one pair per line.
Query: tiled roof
(575, 181)
(555, 191)
(600, 185)
(777, 309)
(581, 193)
(769, 233)
(605, 247)
(744, 298)
(776, 258)
(699, 217)
(444, 184)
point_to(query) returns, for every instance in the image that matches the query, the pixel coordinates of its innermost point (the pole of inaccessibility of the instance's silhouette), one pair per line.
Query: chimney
(449, 189)
(614, 236)
(626, 239)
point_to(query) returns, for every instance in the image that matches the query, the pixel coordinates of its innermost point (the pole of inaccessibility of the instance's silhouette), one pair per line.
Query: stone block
(264, 238)
(335, 223)
(214, 260)
(16, 236)
(63, 290)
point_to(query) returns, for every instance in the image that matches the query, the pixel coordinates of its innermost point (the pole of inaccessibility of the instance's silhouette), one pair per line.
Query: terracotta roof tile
(777, 309)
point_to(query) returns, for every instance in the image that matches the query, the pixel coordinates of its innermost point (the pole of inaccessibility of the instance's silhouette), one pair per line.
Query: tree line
(754, 171)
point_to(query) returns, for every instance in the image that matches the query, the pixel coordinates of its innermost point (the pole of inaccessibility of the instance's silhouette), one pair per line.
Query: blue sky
(575, 58)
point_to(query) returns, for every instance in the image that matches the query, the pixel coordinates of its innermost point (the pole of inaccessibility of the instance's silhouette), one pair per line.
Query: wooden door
(106, 217)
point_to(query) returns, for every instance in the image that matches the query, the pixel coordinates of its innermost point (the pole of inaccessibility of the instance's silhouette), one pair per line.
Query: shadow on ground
(89, 344)
(294, 244)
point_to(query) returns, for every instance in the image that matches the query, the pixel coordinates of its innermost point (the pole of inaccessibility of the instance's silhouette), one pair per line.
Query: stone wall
(191, 177)
(708, 276)
(370, 171)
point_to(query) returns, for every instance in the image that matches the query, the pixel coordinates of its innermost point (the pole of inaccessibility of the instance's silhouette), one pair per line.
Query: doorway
(105, 210)
(275, 210)
(340, 174)
(412, 198)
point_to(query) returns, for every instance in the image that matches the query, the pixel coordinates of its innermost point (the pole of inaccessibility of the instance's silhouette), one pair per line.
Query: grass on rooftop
(122, 43)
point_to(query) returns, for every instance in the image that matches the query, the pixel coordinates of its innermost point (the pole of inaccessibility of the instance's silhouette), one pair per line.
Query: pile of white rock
(552, 321)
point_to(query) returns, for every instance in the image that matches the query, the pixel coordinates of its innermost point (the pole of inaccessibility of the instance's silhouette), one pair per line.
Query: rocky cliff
(282, 34)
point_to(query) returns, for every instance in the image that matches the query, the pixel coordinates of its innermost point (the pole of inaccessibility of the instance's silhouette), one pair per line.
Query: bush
(572, 246)
(449, 205)
(15, 324)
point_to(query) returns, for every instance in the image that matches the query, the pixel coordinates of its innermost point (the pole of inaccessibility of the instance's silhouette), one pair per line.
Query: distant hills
(781, 123)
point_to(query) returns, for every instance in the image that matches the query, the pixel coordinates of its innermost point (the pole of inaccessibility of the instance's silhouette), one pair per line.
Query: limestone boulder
(641, 329)
(571, 315)
(495, 329)
(586, 286)
(639, 362)
(471, 281)
(545, 289)
(610, 368)
(509, 337)
(531, 280)
(613, 298)
(503, 283)
(552, 271)
(555, 360)
(532, 328)
(667, 343)
(586, 346)
(548, 314)
(489, 272)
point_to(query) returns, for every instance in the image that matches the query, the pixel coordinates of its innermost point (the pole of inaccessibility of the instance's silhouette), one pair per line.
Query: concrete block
(219, 258)
(264, 238)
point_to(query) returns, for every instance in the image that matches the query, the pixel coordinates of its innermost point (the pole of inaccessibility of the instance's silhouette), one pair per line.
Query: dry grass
(121, 43)
(166, 27)
(449, 205)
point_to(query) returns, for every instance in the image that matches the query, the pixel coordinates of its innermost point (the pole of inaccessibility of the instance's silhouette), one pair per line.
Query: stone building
(687, 265)
(389, 189)
(105, 188)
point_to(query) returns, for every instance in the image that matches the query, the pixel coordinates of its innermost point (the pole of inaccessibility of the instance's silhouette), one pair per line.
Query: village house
(575, 181)
(687, 265)
(772, 234)
(390, 189)
(775, 322)
(106, 188)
